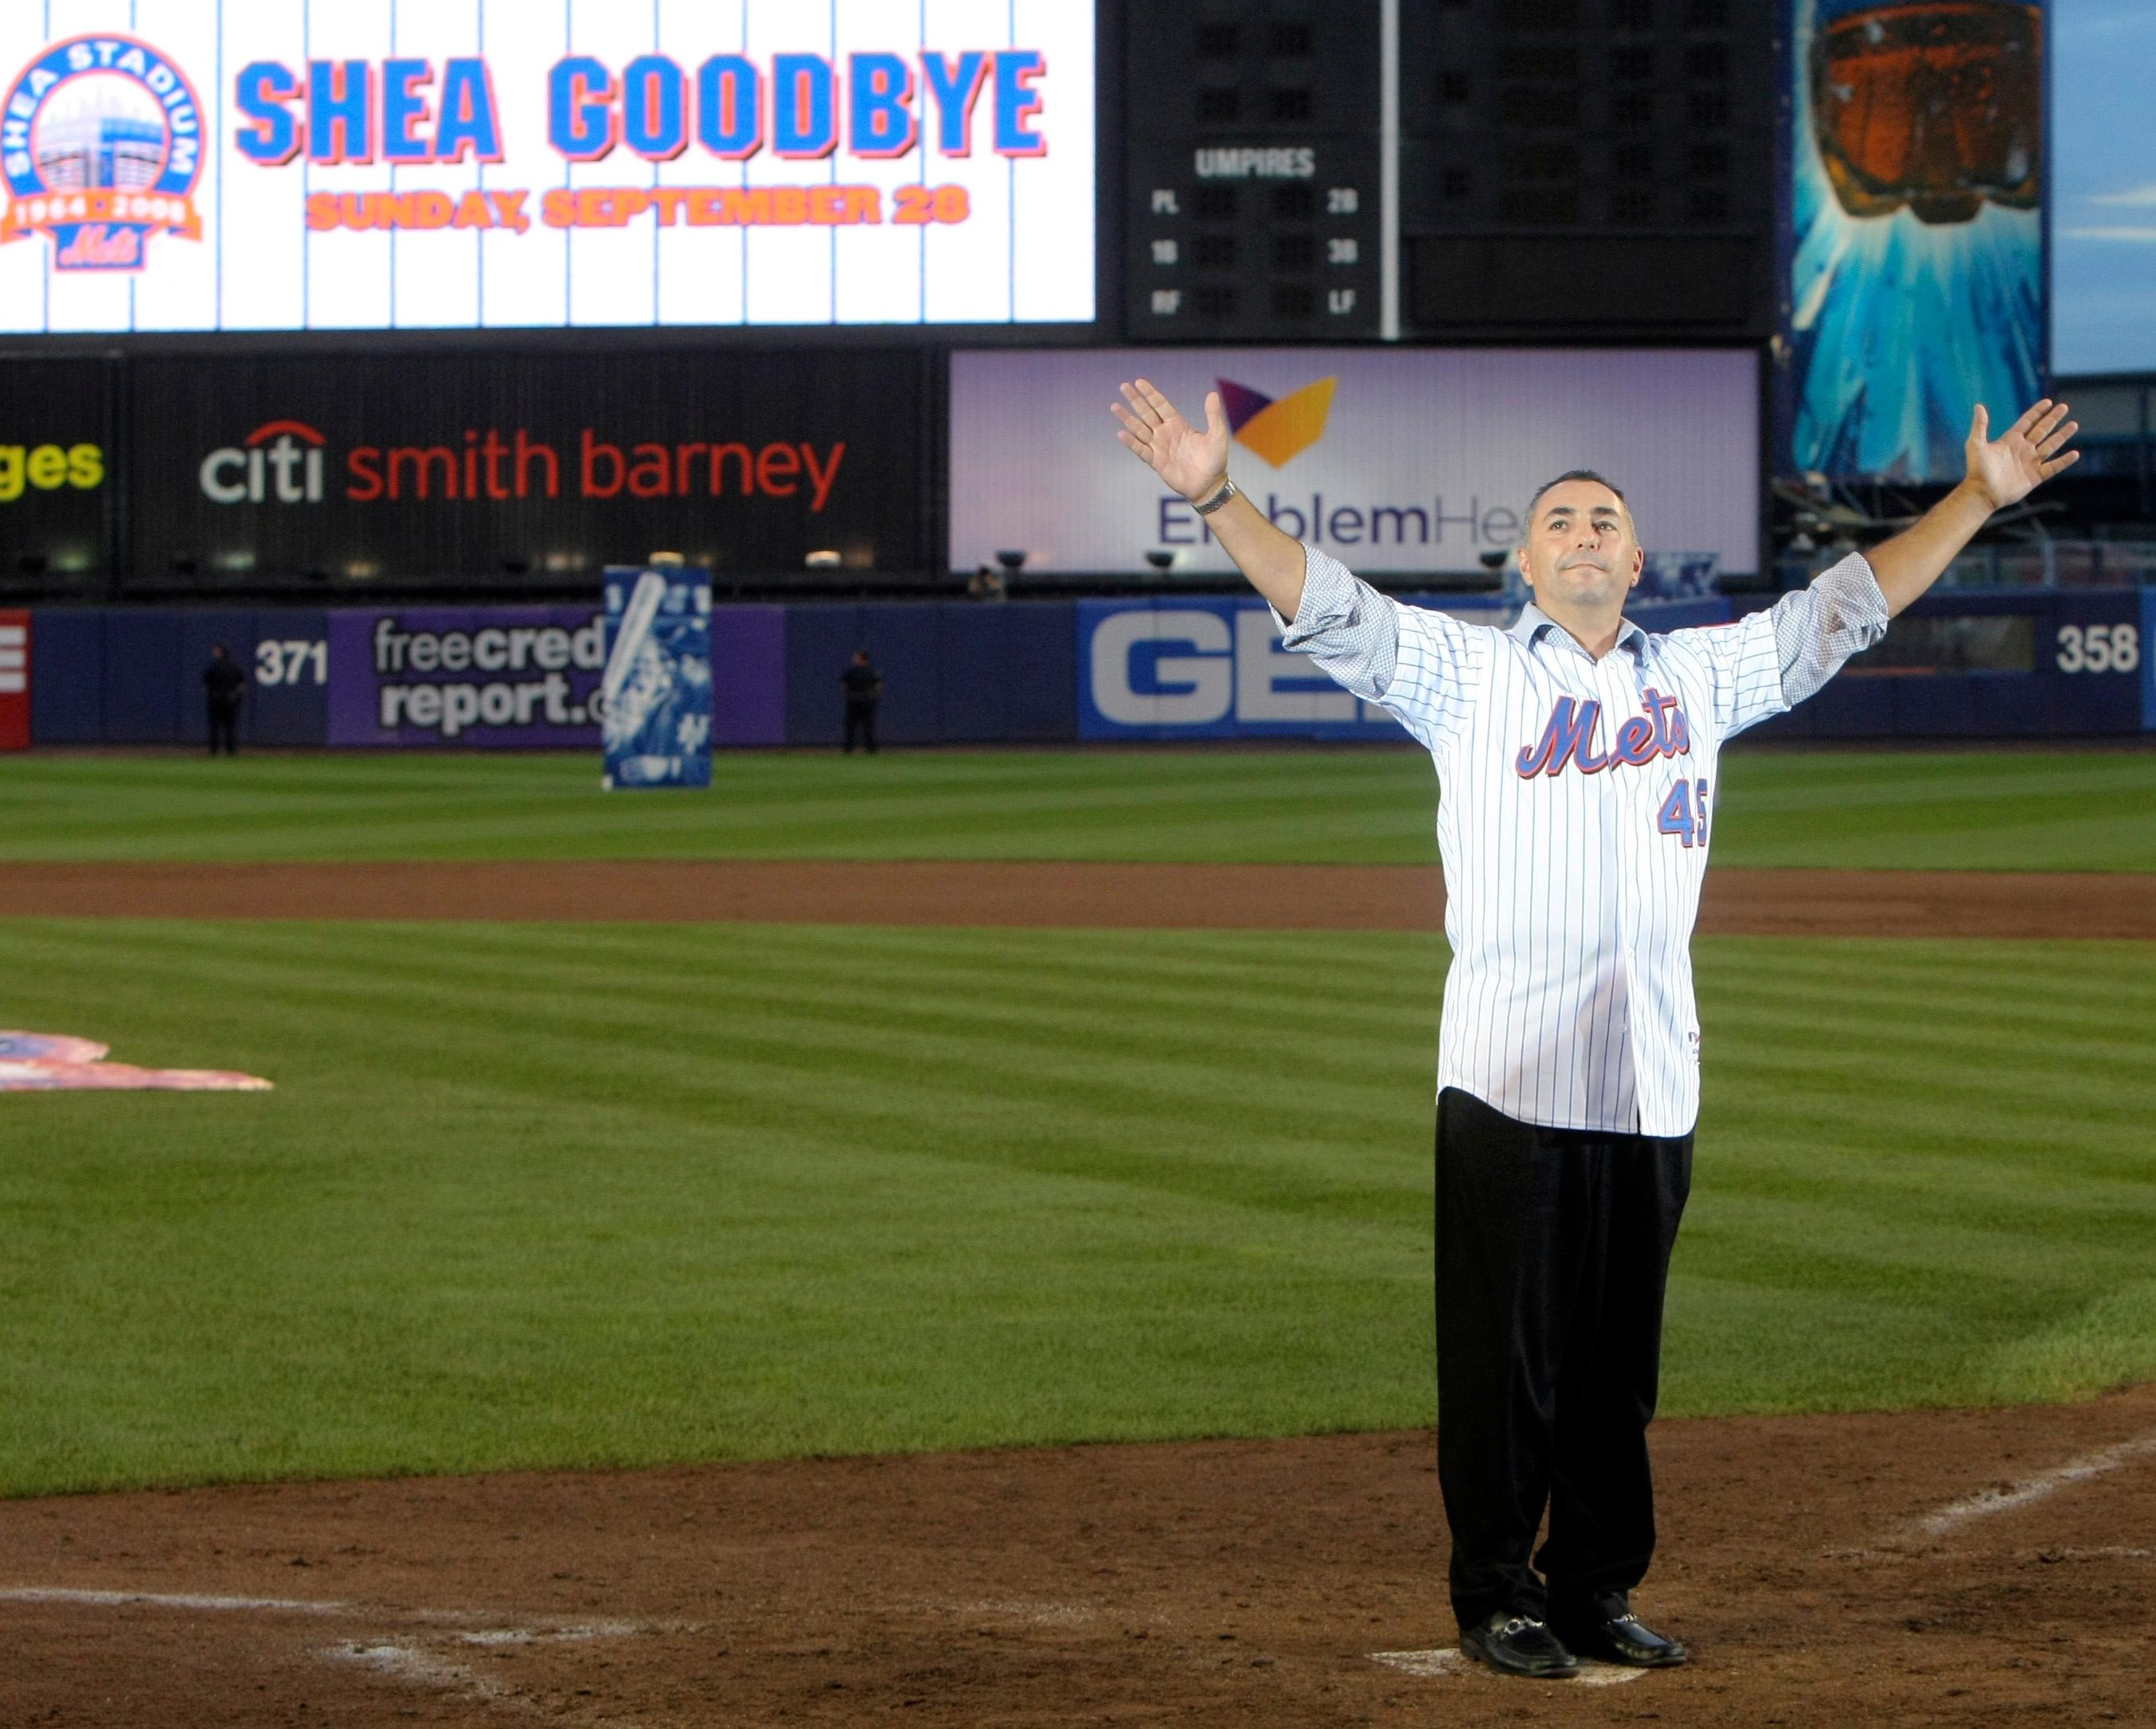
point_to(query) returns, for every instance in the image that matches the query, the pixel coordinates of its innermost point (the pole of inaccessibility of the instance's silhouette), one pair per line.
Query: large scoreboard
(1252, 207)
(291, 165)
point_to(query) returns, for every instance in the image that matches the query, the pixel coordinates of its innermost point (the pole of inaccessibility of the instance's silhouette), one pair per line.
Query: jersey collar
(1533, 621)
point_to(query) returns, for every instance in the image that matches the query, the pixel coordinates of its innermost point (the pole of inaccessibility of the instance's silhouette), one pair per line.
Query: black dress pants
(860, 724)
(1553, 1253)
(223, 727)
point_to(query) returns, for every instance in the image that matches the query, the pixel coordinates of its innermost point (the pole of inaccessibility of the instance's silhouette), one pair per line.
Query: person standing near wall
(223, 682)
(864, 687)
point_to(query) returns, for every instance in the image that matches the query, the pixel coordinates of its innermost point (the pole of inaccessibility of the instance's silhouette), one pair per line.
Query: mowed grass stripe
(2037, 810)
(890, 1031)
(1974, 809)
(1117, 1081)
(911, 994)
(1051, 1221)
(570, 1195)
(1030, 804)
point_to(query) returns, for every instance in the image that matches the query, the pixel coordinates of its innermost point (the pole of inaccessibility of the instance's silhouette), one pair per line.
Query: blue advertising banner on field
(469, 677)
(1915, 238)
(1207, 668)
(655, 695)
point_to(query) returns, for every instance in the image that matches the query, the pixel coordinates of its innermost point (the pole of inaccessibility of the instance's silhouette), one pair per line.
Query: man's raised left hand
(2007, 469)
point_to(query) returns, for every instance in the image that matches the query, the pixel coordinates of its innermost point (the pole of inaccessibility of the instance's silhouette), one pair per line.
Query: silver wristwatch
(1226, 492)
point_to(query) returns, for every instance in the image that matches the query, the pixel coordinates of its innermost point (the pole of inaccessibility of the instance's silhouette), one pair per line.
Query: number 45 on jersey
(1684, 813)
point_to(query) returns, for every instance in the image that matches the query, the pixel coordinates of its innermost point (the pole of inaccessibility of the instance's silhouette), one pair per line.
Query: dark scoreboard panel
(1252, 172)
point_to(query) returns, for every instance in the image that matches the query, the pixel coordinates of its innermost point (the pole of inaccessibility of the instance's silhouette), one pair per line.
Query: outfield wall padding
(2067, 692)
(133, 674)
(1033, 672)
(953, 672)
(67, 683)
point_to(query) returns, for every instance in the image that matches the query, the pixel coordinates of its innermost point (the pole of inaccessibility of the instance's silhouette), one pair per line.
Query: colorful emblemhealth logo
(1277, 430)
(101, 143)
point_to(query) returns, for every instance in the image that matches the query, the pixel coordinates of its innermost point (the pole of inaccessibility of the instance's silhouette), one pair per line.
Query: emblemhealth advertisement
(1394, 461)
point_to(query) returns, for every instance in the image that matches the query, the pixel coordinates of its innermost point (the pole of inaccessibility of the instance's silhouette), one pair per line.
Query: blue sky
(2103, 186)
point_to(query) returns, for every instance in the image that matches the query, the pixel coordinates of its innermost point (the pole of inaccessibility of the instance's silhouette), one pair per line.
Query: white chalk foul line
(543, 1632)
(1450, 1660)
(174, 1600)
(569, 1632)
(1987, 1501)
(404, 1660)
(414, 1660)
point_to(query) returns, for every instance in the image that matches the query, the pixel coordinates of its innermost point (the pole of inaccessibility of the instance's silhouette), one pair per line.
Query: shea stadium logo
(101, 142)
(1275, 431)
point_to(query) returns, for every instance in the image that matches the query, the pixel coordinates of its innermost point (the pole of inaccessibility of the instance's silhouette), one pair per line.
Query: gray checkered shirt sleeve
(1768, 662)
(1416, 665)
(1842, 612)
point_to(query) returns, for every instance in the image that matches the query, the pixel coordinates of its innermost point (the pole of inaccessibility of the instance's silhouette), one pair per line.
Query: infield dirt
(1337, 897)
(1921, 1567)
(1246, 1582)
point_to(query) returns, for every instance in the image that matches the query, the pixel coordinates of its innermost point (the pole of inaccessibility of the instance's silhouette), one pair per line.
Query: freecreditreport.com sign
(467, 676)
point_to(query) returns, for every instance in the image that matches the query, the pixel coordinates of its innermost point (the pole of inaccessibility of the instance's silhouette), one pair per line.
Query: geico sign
(284, 455)
(1219, 670)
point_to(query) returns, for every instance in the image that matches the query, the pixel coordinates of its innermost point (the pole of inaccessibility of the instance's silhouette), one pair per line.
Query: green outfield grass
(1961, 810)
(574, 1195)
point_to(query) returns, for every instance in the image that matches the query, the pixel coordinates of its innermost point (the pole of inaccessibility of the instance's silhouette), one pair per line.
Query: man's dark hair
(1575, 474)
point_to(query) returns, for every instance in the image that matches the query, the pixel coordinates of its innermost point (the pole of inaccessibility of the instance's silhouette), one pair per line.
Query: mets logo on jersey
(1568, 741)
(100, 143)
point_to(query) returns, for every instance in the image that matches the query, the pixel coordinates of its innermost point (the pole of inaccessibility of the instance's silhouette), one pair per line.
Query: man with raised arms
(1576, 759)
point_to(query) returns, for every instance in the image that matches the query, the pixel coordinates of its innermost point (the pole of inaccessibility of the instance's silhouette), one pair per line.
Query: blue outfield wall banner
(1207, 668)
(2060, 664)
(655, 696)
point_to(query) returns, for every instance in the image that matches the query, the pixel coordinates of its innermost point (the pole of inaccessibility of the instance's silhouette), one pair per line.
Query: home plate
(1452, 1661)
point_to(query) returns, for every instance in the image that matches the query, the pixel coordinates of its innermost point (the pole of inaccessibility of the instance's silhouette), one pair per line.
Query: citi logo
(1274, 431)
(285, 454)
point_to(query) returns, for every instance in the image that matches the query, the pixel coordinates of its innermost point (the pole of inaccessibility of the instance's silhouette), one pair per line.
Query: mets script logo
(100, 141)
(1568, 740)
(1277, 430)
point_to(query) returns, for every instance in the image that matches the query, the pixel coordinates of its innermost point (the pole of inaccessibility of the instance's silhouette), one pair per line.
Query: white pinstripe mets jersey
(1575, 807)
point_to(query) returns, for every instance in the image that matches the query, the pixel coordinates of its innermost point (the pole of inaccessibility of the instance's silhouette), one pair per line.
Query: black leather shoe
(1610, 1633)
(1518, 1645)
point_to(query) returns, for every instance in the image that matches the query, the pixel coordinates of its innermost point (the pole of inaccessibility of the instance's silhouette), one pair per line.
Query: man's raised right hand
(1192, 462)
